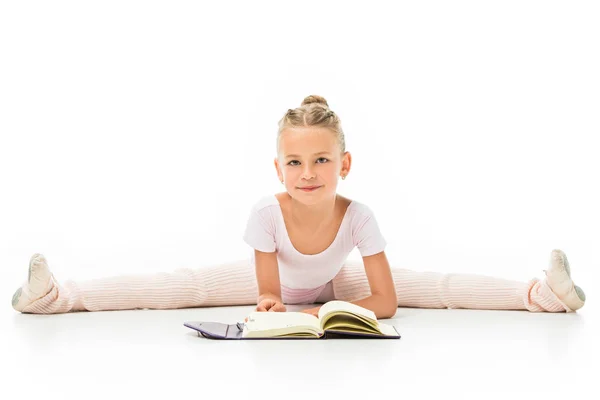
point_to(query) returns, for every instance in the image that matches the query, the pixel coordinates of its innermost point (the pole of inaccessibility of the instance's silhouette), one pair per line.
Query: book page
(351, 323)
(286, 321)
(388, 330)
(344, 306)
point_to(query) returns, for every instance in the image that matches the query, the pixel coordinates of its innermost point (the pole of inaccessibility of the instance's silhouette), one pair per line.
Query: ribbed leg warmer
(226, 284)
(235, 283)
(436, 290)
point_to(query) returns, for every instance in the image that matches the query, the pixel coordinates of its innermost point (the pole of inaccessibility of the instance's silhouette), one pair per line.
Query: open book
(336, 319)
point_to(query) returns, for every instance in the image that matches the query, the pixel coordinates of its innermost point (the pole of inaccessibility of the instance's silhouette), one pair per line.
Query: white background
(135, 136)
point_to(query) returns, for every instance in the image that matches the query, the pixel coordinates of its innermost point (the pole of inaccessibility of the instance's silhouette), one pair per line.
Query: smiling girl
(301, 238)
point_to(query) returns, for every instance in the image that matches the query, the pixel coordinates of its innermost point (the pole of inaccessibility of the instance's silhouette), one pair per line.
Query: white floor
(149, 353)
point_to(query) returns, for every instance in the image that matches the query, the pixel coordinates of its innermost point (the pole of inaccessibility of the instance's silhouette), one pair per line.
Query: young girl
(301, 238)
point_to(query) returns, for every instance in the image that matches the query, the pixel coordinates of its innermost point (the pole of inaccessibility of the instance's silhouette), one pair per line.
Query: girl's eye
(321, 158)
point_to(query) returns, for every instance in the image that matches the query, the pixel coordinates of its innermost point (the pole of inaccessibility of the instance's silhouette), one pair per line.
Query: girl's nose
(307, 173)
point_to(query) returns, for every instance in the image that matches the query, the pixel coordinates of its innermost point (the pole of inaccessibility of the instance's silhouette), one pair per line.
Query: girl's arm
(378, 304)
(267, 276)
(383, 300)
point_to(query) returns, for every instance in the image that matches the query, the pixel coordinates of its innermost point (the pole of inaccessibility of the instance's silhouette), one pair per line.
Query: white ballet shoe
(558, 277)
(40, 282)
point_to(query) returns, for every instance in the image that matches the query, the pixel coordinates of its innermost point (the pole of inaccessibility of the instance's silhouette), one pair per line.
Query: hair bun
(313, 98)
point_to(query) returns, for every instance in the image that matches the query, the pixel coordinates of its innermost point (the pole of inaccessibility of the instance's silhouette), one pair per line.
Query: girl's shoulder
(265, 201)
(359, 208)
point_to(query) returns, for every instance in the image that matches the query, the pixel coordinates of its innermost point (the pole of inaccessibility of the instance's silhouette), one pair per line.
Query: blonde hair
(313, 112)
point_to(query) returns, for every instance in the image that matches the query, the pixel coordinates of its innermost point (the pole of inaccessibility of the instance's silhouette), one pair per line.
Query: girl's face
(310, 157)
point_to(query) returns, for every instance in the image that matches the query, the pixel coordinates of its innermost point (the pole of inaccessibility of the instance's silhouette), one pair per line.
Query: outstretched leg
(556, 293)
(231, 283)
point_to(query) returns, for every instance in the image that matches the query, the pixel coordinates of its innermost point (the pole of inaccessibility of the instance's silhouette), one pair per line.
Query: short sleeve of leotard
(260, 230)
(366, 234)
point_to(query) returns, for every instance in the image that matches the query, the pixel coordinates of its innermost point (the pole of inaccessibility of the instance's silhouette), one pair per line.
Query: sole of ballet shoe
(16, 297)
(20, 300)
(573, 299)
(580, 292)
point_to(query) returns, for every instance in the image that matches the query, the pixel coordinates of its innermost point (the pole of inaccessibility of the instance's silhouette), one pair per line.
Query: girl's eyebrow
(316, 154)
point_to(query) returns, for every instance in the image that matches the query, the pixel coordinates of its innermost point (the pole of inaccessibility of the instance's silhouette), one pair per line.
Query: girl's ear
(279, 174)
(346, 162)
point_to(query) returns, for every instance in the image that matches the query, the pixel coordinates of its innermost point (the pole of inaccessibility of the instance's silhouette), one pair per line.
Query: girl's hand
(270, 305)
(313, 311)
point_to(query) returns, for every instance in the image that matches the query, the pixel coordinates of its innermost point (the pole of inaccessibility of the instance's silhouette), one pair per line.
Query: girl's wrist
(270, 296)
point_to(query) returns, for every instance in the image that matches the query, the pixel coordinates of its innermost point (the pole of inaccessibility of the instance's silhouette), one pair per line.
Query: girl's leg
(555, 293)
(232, 283)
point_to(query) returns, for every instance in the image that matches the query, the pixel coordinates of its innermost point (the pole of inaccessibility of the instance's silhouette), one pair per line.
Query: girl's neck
(313, 217)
